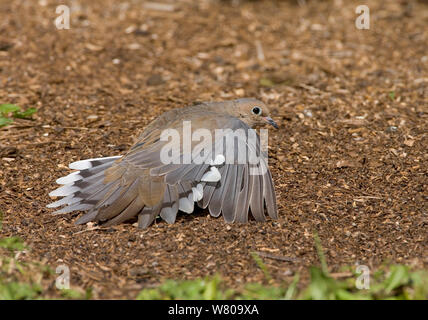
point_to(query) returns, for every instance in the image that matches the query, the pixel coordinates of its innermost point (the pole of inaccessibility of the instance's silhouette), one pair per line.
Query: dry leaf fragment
(409, 142)
(344, 164)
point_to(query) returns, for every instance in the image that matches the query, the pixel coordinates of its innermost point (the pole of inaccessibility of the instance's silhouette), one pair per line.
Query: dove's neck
(225, 107)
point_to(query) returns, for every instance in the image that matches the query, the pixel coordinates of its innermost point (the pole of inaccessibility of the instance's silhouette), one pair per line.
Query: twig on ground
(277, 257)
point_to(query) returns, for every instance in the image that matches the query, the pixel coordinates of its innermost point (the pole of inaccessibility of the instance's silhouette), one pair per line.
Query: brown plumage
(140, 183)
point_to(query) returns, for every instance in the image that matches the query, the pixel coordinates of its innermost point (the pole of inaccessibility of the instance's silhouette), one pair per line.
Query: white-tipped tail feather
(186, 205)
(81, 189)
(67, 200)
(218, 161)
(70, 178)
(88, 177)
(212, 176)
(198, 192)
(79, 207)
(89, 163)
(64, 191)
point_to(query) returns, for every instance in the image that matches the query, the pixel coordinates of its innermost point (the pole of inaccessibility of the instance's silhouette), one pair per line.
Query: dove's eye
(257, 111)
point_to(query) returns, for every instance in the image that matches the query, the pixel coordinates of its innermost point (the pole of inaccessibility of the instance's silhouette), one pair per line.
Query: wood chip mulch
(349, 161)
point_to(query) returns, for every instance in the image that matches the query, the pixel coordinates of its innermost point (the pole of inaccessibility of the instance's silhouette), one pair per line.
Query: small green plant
(74, 294)
(396, 282)
(320, 253)
(258, 291)
(21, 280)
(12, 244)
(19, 291)
(10, 288)
(261, 265)
(200, 289)
(10, 111)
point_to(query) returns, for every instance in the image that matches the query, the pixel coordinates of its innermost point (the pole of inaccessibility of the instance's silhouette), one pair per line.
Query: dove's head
(252, 112)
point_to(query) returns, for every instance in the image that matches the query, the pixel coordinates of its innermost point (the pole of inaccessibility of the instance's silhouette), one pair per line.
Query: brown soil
(349, 161)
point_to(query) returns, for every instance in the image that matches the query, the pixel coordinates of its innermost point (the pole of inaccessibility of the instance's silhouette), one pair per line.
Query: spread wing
(243, 185)
(174, 164)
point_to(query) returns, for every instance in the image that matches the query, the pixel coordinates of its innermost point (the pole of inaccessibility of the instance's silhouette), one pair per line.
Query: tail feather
(115, 205)
(148, 215)
(76, 207)
(71, 199)
(131, 211)
(82, 188)
(112, 193)
(91, 163)
(170, 204)
(90, 216)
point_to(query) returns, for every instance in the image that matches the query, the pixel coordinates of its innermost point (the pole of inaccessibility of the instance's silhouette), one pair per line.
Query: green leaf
(265, 82)
(292, 289)
(24, 114)
(12, 244)
(207, 289)
(19, 291)
(210, 292)
(398, 276)
(7, 108)
(76, 294)
(261, 265)
(259, 291)
(343, 294)
(321, 285)
(5, 121)
(419, 282)
(150, 294)
(320, 252)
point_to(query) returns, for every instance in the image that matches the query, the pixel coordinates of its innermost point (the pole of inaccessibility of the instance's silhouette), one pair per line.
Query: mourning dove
(159, 175)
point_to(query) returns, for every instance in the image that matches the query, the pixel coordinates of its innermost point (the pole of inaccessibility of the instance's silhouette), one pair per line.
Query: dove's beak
(271, 122)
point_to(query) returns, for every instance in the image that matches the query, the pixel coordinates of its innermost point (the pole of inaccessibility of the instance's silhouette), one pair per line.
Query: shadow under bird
(140, 184)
